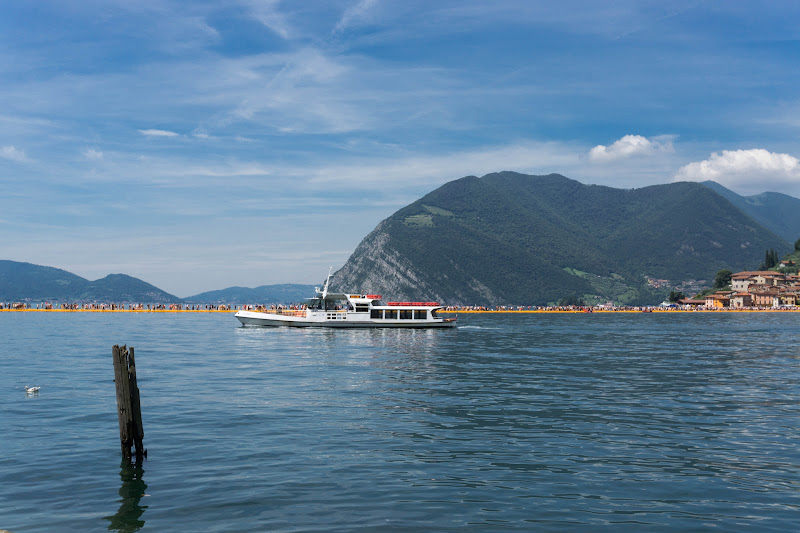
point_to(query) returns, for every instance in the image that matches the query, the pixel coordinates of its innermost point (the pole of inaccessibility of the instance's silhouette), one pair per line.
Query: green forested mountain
(510, 238)
(26, 281)
(776, 211)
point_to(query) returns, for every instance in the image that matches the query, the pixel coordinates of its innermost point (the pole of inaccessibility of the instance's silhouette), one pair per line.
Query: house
(738, 300)
(767, 298)
(718, 300)
(742, 280)
(790, 298)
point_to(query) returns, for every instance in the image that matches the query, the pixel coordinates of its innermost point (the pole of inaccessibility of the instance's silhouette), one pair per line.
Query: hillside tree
(722, 279)
(771, 258)
(676, 295)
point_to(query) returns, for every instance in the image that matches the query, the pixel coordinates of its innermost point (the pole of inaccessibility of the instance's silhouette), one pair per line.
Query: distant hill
(26, 281)
(265, 294)
(510, 238)
(776, 211)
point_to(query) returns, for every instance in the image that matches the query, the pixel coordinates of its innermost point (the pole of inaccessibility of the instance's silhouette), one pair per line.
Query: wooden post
(136, 407)
(123, 398)
(129, 414)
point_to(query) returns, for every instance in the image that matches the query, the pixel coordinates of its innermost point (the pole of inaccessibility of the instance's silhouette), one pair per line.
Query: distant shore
(443, 311)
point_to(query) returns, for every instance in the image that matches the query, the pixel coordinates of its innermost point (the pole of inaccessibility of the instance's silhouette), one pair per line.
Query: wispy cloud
(13, 153)
(303, 91)
(426, 171)
(752, 170)
(267, 13)
(158, 133)
(630, 146)
(355, 12)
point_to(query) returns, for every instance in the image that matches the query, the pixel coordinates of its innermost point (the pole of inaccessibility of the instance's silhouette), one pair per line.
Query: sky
(208, 144)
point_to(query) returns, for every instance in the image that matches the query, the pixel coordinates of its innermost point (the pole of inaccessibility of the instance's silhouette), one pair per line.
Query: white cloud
(745, 169)
(13, 153)
(629, 146)
(158, 133)
(93, 155)
(353, 13)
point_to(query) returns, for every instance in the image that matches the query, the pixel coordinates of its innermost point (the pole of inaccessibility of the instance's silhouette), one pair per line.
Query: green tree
(797, 245)
(722, 279)
(771, 258)
(675, 295)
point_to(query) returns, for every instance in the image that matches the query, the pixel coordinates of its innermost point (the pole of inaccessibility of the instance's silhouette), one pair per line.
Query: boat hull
(255, 318)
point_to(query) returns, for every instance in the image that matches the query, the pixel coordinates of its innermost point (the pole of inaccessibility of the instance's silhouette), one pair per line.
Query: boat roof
(370, 298)
(361, 298)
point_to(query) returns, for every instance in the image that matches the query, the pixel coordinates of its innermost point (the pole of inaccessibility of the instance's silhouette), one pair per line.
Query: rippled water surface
(621, 422)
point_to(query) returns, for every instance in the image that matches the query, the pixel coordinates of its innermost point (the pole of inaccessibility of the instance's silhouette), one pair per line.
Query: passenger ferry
(344, 310)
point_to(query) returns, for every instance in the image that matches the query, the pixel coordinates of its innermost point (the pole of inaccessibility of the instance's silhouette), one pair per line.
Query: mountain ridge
(27, 281)
(21, 281)
(776, 211)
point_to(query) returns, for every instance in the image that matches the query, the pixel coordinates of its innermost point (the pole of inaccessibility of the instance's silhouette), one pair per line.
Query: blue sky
(200, 145)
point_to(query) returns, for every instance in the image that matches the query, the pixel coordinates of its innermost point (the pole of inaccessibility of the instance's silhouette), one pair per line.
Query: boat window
(435, 313)
(361, 308)
(420, 314)
(391, 314)
(376, 313)
(406, 314)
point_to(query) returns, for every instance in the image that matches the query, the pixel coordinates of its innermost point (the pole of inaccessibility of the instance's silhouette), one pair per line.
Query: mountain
(265, 294)
(510, 238)
(123, 288)
(775, 211)
(19, 281)
(26, 281)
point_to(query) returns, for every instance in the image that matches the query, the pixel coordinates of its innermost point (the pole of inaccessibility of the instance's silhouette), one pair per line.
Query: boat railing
(288, 312)
(413, 304)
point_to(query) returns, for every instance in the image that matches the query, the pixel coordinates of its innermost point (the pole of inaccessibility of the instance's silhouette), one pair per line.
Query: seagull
(31, 390)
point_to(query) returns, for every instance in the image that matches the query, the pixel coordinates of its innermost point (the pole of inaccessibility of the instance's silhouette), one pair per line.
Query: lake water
(618, 422)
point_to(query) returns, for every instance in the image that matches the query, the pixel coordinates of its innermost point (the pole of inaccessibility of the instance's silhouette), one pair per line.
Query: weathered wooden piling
(129, 412)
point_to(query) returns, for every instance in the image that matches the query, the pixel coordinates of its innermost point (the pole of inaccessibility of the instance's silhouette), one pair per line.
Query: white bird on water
(31, 390)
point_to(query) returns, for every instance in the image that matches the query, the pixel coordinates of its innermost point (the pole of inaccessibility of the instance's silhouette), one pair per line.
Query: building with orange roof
(739, 300)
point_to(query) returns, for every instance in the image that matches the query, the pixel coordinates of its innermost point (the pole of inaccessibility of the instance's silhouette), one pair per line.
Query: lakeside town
(759, 289)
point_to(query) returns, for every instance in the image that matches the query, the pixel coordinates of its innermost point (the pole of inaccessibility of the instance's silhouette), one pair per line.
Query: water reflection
(128, 517)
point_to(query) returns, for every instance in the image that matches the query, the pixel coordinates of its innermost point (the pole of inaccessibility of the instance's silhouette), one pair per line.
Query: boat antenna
(325, 288)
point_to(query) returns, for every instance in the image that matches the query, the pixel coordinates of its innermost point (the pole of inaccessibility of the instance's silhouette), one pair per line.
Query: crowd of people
(64, 306)
(46, 306)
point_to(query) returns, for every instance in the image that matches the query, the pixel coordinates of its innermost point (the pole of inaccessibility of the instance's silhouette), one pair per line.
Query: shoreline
(443, 311)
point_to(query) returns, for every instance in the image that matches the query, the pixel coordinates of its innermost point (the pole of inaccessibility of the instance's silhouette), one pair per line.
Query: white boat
(345, 310)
